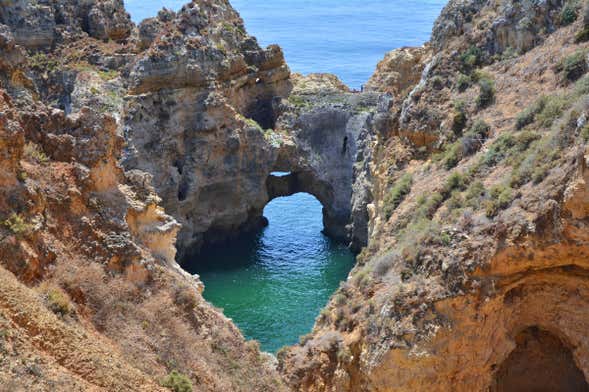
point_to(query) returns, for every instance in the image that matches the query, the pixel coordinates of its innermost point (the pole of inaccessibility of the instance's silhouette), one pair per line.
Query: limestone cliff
(201, 97)
(91, 297)
(461, 174)
(475, 276)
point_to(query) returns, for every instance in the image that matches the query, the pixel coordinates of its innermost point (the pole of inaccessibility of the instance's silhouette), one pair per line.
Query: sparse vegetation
(528, 115)
(463, 82)
(177, 382)
(17, 225)
(58, 302)
(108, 74)
(500, 197)
(42, 62)
(573, 66)
(397, 193)
(383, 263)
(472, 57)
(459, 118)
(34, 153)
(471, 142)
(486, 92)
(569, 12)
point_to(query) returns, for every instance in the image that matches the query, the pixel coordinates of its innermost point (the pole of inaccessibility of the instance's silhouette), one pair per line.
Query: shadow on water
(274, 283)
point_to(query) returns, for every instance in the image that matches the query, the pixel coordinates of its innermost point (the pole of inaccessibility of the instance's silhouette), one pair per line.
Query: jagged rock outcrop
(44, 24)
(399, 71)
(199, 96)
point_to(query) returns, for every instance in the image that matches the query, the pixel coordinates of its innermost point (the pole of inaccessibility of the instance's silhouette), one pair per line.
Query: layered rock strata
(475, 273)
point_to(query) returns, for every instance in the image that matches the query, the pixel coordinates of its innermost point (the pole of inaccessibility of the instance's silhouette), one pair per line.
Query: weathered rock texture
(328, 150)
(475, 276)
(91, 297)
(199, 97)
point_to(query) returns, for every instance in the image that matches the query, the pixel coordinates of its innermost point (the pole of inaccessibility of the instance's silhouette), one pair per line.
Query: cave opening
(540, 362)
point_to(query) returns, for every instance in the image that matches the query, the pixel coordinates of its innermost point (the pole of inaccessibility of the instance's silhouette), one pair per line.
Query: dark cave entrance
(540, 362)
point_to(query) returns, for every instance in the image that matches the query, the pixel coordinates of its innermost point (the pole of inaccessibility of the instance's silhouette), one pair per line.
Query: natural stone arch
(541, 361)
(334, 219)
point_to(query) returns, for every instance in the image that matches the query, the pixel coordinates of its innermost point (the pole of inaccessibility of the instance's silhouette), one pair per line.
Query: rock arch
(334, 219)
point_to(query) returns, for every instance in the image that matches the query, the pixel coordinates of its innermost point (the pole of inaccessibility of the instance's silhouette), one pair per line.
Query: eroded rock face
(399, 71)
(460, 289)
(198, 97)
(87, 253)
(330, 131)
(43, 24)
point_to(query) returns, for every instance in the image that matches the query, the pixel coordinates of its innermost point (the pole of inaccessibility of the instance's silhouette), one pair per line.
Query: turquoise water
(346, 38)
(274, 284)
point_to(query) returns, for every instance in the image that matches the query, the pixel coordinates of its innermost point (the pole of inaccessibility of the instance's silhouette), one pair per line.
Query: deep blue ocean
(273, 284)
(344, 37)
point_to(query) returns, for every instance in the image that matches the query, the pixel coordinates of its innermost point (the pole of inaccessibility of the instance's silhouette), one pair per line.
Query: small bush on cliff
(400, 189)
(582, 35)
(17, 225)
(500, 198)
(58, 302)
(528, 115)
(463, 82)
(177, 382)
(573, 66)
(569, 13)
(553, 108)
(34, 153)
(459, 118)
(486, 93)
(384, 262)
(468, 144)
(472, 57)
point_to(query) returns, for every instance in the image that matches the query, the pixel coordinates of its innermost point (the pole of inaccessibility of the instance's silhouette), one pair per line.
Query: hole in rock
(540, 362)
(273, 283)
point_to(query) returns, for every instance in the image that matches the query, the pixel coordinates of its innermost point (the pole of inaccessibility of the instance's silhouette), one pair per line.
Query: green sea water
(274, 284)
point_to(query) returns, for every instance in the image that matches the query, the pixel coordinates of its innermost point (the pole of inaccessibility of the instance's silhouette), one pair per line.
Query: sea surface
(343, 37)
(274, 284)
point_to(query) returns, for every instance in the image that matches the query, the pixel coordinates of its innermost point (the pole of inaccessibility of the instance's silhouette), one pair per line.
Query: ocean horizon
(345, 38)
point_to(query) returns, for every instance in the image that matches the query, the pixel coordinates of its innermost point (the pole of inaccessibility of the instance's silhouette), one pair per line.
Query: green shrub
(58, 302)
(486, 93)
(34, 153)
(582, 86)
(463, 82)
(583, 35)
(501, 197)
(472, 57)
(472, 140)
(453, 155)
(340, 299)
(400, 189)
(455, 181)
(474, 193)
(528, 115)
(553, 108)
(437, 82)
(569, 13)
(17, 225)
(459, 118)
(573, 66)
(177, 382)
